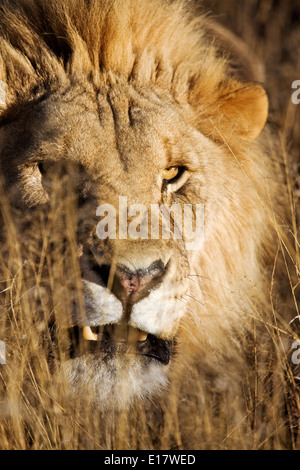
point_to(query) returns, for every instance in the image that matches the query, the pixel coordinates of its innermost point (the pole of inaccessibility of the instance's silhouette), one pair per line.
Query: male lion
(114, 99)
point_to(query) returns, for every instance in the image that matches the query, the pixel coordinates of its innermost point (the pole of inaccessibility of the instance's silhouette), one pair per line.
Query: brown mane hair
(150, 42)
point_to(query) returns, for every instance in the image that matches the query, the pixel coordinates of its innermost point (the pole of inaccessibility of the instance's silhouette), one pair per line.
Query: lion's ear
(245, 110)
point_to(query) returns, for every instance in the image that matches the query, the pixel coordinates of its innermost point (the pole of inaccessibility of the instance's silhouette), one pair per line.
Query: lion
(128, 100)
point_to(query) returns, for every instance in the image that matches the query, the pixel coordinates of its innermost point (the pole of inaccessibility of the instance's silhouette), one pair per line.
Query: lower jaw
(113, 381)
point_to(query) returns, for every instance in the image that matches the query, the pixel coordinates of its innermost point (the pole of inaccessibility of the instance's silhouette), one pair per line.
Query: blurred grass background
(271, 29)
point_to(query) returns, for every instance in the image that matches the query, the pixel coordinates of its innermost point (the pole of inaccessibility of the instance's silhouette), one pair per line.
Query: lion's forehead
(111, 115)
(122, 137)
(129, 130)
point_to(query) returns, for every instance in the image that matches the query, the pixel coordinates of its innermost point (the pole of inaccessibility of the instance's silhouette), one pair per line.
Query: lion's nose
(128, 284)
(134, 284)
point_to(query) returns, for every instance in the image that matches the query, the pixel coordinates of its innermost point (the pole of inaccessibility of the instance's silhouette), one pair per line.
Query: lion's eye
(170, 175)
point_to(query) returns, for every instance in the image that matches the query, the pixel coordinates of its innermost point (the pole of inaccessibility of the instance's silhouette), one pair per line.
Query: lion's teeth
(142, 336)
(88, 334)
(133, 335)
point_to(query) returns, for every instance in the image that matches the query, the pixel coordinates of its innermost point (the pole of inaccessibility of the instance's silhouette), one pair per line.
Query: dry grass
(35, 412)
(271, 30)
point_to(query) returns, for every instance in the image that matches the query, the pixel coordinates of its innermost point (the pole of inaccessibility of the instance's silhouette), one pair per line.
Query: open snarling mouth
(110, 340)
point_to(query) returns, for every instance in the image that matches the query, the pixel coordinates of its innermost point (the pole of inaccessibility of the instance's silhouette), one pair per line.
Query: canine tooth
(142, 336)
(88, 334)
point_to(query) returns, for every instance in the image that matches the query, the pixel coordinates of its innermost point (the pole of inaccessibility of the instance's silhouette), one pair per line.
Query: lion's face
(114, 303)
(100, 146)
(136, 109)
